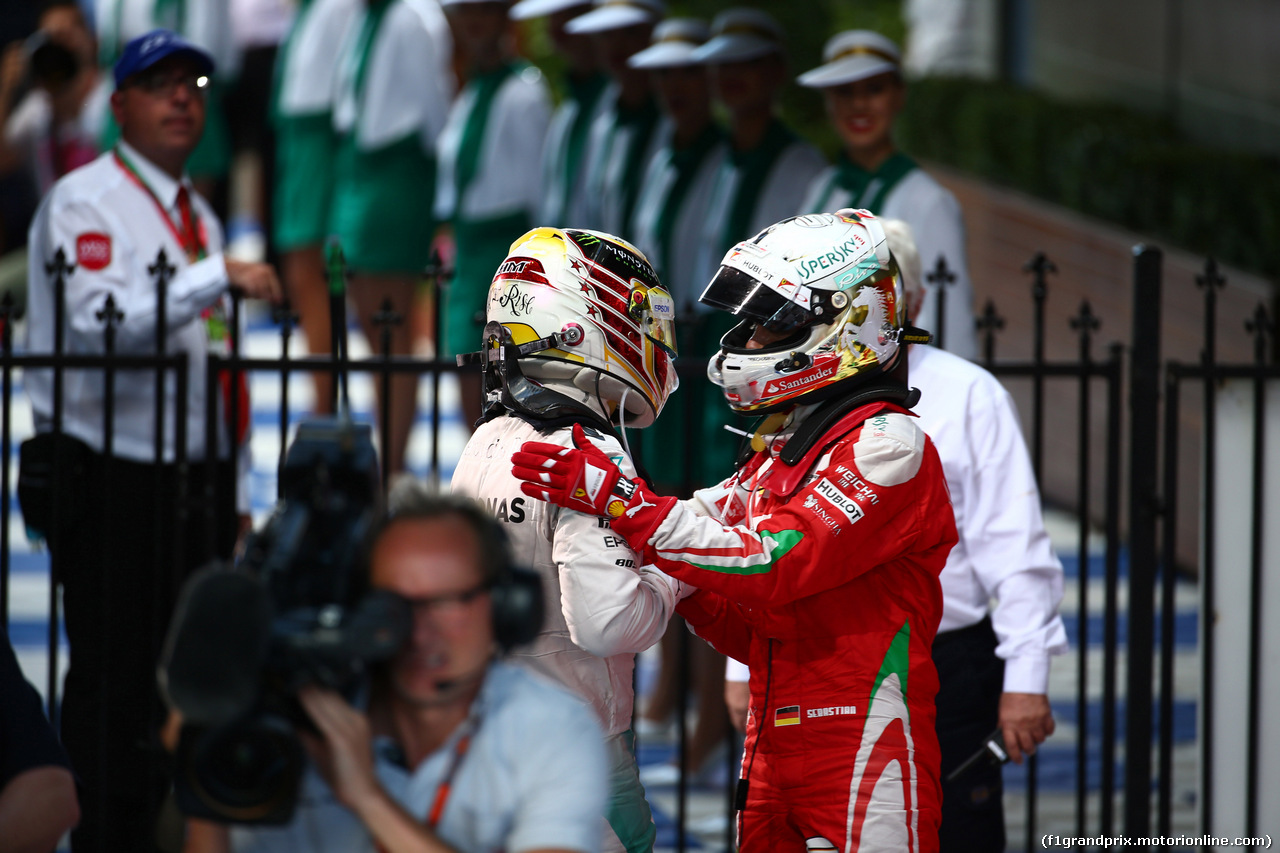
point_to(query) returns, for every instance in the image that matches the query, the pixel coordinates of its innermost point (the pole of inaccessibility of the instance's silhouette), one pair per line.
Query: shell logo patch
(616, 508)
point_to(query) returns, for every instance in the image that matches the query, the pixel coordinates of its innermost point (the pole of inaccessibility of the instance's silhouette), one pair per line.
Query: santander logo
(801, 380)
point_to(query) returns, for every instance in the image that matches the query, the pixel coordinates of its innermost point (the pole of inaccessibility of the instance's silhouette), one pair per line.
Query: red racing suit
(823, 577)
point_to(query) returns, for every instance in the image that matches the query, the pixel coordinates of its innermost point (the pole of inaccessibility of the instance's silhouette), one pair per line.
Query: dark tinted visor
(741, 294)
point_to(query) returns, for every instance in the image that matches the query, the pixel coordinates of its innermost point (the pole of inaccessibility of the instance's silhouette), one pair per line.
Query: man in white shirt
(117, 549)
(458, 750)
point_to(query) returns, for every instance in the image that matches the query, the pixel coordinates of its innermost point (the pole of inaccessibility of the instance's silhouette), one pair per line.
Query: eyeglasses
(449, 604)
(166, 85)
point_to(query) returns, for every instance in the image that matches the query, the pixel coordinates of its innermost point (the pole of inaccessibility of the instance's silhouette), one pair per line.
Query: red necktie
(194, 247)
(191, 242)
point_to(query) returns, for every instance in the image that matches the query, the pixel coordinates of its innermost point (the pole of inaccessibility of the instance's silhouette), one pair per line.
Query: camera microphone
(216, 646)
(992, 753)
(451, 688)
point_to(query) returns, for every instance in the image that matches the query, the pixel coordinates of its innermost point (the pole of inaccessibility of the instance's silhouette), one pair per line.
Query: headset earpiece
(518, 606)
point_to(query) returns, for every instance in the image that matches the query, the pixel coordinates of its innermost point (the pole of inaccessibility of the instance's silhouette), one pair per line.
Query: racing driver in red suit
(817, 562)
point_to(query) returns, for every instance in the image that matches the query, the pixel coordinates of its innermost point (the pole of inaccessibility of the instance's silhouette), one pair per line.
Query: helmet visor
(654, 308)
(743, 295)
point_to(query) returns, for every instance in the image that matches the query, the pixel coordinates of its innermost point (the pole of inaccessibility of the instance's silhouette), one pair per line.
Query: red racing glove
(586, 480)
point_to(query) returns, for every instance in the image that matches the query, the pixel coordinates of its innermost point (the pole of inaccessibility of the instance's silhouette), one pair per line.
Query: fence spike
(988, 323)
(436, 270)
(284, 315)
(1211, 278)
(59, 267)
(1039, 266)
(941, 273)
(109, 314)
(387, 316)
(161, 267)
(1260, 326)
(1085, 321)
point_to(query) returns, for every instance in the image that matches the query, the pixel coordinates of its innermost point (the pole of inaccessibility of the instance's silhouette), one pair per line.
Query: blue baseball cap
(146, 50)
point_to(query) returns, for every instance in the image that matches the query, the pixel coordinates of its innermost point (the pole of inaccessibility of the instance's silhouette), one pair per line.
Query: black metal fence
(1144, 527)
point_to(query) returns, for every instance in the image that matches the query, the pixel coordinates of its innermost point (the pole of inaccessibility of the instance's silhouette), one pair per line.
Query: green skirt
(305, 151)
(383, 206)
(482, 247)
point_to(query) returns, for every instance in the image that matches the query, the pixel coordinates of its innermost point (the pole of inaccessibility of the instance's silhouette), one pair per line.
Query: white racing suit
(602, 606)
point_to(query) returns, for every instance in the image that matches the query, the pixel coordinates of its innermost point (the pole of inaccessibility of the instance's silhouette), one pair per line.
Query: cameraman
(45, 131)
(455, 750)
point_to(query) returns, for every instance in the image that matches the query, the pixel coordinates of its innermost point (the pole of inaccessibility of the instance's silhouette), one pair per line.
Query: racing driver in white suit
(579, 332)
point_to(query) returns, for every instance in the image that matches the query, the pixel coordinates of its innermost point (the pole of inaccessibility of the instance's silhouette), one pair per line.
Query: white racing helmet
(828, 284)
(585, 309)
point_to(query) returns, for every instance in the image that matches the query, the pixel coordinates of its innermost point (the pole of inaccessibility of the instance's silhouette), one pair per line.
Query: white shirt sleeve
(405, 91)
(1010, 549)
(28, 120)
(208, 24)
(532, 116)
(787, 185)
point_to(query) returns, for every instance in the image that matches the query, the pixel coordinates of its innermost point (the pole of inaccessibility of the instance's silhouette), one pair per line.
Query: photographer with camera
(45, 131)
(454, 749)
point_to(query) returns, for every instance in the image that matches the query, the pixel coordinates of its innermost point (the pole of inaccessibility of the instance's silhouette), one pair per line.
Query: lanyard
(459, 752)
(460, 747)
(193, 246)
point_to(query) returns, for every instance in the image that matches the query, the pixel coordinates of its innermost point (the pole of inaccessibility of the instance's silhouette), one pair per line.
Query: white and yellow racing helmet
(828, 285)
(590, 299)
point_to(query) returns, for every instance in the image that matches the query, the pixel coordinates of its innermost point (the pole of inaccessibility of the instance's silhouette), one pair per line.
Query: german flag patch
(788, 716)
